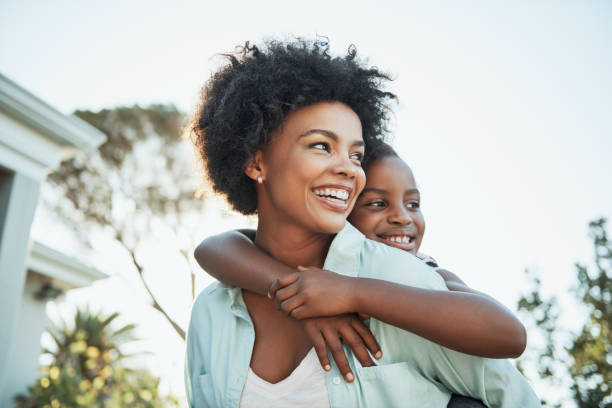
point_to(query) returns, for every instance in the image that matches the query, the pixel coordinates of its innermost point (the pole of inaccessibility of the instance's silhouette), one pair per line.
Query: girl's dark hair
(248, 98)
(379, 151)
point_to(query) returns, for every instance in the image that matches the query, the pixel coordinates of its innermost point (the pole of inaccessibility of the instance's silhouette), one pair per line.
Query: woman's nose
(345, 166)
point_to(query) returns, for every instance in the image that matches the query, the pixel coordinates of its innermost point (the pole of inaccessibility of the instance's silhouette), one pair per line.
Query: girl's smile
(388, 210)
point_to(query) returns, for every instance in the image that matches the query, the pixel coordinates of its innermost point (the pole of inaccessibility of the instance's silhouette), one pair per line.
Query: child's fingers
(367, 337)
(300, 312)
(285, 293)
(427, 259)
(281, 282)
(335, 346)
(353, 339)
(289, 305)
(321, 349)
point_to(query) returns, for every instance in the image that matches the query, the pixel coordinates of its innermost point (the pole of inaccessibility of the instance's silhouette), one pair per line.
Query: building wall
(31, 322)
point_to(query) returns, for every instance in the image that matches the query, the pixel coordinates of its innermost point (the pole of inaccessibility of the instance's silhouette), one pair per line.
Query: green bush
(87, 370)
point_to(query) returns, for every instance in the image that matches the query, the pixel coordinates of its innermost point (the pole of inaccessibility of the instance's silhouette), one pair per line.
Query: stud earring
(259, 180)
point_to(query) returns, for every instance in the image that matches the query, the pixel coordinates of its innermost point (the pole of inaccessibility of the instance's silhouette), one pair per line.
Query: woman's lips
(335, 198)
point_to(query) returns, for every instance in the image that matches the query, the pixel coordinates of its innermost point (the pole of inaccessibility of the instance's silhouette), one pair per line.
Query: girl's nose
(399, 216)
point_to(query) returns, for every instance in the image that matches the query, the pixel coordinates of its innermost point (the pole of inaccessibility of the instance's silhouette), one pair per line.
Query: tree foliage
(87, 369)
(584, 357)
(140, 178)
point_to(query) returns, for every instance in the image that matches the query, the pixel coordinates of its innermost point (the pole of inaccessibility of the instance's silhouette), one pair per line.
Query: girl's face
(388, 209)
(311, 168)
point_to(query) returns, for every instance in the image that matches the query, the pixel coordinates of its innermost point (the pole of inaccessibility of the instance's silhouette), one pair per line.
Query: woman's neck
(292, 245)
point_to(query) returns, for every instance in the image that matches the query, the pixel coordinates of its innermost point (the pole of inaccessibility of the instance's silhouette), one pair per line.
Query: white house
(34, 139)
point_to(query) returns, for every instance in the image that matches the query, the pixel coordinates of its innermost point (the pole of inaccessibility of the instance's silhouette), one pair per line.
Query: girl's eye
(320, 146)
(413, 205)
(377, 204)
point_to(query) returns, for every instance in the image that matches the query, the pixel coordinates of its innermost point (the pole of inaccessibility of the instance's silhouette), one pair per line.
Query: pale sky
(504, 110)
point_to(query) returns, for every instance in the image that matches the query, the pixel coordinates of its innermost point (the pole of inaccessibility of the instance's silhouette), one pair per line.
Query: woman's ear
(254, 168)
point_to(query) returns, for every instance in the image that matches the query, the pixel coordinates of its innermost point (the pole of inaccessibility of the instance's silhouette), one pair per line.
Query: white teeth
(339, 194)
(400, 239)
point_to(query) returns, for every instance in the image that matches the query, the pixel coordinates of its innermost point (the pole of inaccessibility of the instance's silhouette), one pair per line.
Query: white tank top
(305, 387)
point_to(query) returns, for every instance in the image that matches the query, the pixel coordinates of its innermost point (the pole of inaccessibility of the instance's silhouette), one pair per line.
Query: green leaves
(86, 369)
(583, 358)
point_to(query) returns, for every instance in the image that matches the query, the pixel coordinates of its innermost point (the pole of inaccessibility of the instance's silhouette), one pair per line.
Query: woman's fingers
(353, 339)
(367, 337)
(281, 282)
(335, 346)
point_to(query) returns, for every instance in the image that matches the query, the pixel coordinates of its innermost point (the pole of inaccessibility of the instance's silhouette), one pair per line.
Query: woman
(297, 123)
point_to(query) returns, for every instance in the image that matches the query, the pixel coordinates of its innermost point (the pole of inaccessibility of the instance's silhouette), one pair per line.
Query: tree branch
(179, 330)
(192, 274)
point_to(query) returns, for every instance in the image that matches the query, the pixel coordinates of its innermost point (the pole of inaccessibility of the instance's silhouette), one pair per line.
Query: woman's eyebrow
(329, 134)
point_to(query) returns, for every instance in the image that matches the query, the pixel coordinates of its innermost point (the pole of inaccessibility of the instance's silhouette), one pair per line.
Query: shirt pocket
(399, 385)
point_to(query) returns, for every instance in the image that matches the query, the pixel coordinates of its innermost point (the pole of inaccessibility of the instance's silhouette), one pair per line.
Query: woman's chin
(332, 226)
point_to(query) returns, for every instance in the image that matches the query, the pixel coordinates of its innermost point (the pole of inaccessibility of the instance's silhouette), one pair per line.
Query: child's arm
(452, 281)
(231, 257)
(467, 322)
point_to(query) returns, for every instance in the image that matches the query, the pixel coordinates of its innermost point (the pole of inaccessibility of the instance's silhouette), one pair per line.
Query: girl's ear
(254, 168)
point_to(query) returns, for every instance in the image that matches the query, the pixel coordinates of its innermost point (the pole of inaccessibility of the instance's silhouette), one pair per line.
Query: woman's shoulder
(215, 299)
(381, 261)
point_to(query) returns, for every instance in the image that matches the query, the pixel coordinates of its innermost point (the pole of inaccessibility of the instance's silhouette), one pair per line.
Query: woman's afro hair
(248, 98)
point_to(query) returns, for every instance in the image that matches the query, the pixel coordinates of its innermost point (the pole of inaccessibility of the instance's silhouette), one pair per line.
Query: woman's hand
(313, 292)
(327, 332)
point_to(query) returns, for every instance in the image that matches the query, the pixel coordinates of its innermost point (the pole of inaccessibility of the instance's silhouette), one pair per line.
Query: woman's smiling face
(311, 168)
(388, 210)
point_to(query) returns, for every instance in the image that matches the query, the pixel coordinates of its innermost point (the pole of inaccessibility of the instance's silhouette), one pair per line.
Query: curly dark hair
(247, 99)
(378, 152)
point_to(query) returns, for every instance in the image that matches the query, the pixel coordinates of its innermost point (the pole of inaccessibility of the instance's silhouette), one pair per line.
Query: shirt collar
(344, 255)
(236, 302)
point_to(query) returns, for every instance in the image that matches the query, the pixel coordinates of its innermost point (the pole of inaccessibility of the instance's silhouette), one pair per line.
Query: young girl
(388, 211)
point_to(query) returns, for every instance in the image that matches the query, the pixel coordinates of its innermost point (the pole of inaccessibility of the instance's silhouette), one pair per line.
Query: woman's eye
(413, 205)
(357, 157)
(320, 146)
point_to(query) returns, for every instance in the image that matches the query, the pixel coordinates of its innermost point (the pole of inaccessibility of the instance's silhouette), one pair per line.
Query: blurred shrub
(87, 369)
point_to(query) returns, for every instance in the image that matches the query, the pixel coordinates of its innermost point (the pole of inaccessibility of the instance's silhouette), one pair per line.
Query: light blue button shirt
(413, 372)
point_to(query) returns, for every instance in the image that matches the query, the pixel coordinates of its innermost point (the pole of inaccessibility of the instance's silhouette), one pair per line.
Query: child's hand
(326, 332)
(313, 292)
(427, 259)
(453, 282)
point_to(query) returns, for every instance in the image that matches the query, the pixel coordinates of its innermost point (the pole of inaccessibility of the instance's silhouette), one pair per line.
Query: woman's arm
(467, 322)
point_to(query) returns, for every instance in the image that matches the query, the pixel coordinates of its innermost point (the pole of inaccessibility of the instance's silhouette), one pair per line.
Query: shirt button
(336, 380)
